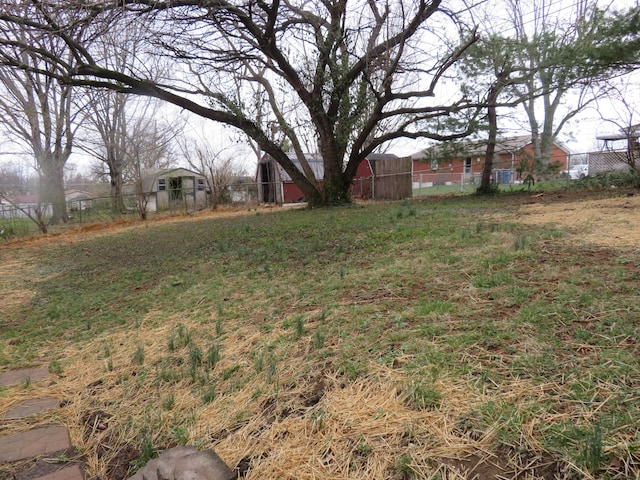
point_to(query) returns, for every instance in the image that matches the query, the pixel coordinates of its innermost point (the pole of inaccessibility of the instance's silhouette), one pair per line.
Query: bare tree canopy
(575, 53)
(37, 112)
(340, 78)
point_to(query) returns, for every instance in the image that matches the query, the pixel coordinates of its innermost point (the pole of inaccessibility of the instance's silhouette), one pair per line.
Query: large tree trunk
(492, 118)
(335, 187)
(52, 189)
(117, 197)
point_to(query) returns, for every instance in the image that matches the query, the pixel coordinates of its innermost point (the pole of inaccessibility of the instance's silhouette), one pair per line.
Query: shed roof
(172, 172)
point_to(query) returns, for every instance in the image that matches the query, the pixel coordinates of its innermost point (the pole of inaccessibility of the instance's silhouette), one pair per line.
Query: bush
(616, 178)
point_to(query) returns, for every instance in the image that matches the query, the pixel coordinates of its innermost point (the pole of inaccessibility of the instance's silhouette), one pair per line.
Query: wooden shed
(379, 176)
(174, 188)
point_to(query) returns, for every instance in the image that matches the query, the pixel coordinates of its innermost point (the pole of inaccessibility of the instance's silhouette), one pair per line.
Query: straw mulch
(299, 420)
(300, 416)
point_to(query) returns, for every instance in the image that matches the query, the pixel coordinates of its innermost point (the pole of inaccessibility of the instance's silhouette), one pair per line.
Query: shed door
(175, 188)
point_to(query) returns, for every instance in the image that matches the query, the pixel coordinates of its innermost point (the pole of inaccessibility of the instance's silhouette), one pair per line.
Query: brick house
(464, 162)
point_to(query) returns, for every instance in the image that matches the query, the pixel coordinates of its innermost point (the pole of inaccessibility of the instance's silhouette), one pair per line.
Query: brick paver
(68, 473)
(31, 407)
(32, 443)
(15, 377)
(37, 441)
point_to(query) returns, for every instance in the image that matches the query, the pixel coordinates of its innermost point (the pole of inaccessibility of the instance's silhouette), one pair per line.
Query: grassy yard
(442, 338)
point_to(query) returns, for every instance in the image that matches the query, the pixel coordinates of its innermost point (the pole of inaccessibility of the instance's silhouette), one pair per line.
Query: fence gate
(393, 179)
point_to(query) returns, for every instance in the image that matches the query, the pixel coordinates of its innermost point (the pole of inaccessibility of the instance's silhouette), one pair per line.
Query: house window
(467, 165)
(162, 184)
(434, 164)
(201, 184)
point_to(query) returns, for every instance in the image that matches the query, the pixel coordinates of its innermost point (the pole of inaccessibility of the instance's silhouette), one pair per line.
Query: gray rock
(185, 463)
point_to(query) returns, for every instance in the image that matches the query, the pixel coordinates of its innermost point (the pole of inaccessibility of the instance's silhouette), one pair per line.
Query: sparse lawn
(391, 341)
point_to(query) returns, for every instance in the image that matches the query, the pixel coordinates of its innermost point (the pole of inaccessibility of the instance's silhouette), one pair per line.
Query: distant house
(619, 151)
(24, 205)
(173, 188)
(380, 176)
(465, 161)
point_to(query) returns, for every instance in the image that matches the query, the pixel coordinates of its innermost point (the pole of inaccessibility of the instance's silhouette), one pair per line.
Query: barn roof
(314, 160)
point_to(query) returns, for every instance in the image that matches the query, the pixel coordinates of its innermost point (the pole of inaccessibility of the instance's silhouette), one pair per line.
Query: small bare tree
(626, 120)
(110, 114)
(149, 148)
(217, 165)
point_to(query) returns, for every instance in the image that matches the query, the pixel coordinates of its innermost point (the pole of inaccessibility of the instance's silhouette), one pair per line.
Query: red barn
(378, 176)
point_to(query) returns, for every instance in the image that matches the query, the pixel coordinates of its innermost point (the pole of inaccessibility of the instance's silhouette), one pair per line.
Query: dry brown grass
(307, 421)
(612, 222)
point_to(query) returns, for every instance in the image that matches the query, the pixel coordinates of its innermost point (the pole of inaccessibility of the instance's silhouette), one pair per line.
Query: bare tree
(349, 77)
(219, 169)
(38, 111)
(149, 148)
(561, 46)
(105, 139)
(109, 113)
(16, 181)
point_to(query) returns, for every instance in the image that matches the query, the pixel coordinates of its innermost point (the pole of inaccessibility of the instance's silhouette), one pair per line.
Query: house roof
(503, 145)
(26, 199)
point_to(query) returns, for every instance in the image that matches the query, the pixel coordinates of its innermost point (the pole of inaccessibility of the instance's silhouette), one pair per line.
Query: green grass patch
(445, 301)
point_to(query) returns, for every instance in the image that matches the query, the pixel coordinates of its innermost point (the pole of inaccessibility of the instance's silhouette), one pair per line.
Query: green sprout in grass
(209, 395)
(213, 356)
(423, 397)
(403, 465)
(169, 402)
(138, 355)
(299, 325)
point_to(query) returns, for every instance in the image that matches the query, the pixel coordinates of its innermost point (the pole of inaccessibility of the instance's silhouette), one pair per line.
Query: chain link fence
(21, 219)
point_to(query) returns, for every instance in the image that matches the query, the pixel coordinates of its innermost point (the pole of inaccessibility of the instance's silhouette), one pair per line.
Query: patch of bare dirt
(612, 222)
(506, 464)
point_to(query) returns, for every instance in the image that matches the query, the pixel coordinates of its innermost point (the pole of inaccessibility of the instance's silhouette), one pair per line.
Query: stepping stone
(68, 473)
(31, 407)
(15, 377)
(39, 441)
